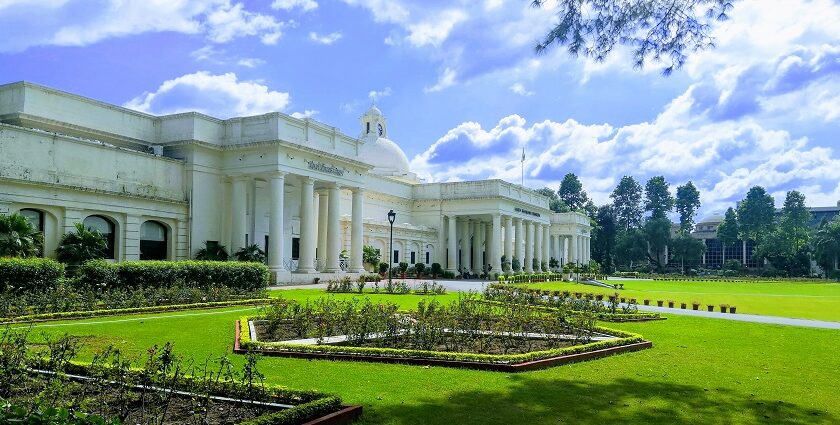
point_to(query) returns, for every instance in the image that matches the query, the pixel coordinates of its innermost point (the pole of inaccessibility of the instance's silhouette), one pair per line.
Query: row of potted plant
(695, 305)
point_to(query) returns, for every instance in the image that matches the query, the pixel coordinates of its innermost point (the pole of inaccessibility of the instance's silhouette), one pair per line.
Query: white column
(529, 247)
(452, 243)
(440, 253)
(475, 266)
(239, 210)
(573, 249)
(308, 237)
(547, 247)
(495, 244)
(483, 246)
(558, 253)
(334, 230)
(520, 243)
(508, 239)
(275, 224)
(356, 227)
(323, 225)
(538, 245)
(744, 253)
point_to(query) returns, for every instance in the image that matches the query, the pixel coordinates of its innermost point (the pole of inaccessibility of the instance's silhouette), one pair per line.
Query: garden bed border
(636, 345)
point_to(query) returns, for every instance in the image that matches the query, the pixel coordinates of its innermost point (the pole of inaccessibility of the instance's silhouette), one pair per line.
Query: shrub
(29, 274)
(403, 267)
(81, 245)
(437, 270)
(251, 253)
(212, 252)
(420, 268)
(383, 267)
(18, 238)
(150, 274)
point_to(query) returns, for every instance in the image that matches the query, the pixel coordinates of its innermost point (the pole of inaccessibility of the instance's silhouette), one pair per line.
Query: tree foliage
(81, 245)
(684, 249)
(251, 253)
(826, 244)
(755, 214)
(661, 31)
(572, 194)
(370, 255)
(630, 246)
(657, 233)
(658, 200)
(727, 232)
(604, 237)
(687, 203)
(787, 247)
(212, 252)
(555, 204)
(18, 238)
(627, 203)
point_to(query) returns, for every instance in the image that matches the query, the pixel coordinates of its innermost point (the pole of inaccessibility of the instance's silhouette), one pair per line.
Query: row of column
(329, 216)
(571, 248)
(526, 240)
(477, 237)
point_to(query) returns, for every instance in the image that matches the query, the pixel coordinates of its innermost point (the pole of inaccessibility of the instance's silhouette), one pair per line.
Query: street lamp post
(391, 217)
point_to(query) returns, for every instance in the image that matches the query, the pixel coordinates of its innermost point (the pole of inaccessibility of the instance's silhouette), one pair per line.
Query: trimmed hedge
(200, 274)
(30, 274)
(624, 338)
(301, 413)
(43, 317)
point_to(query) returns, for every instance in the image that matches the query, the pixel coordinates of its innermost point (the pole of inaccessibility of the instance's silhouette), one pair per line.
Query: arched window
(106, 227)
(153, 239)
(35, 217)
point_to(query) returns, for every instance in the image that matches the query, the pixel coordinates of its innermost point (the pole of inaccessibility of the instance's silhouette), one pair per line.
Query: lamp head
(391, 216)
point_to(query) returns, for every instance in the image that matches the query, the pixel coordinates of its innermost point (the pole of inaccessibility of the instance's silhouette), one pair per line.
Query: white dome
(385, 156)
(374, 111)
(715, 217)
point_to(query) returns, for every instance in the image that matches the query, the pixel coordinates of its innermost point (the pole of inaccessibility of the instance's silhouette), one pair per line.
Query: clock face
(381, 130)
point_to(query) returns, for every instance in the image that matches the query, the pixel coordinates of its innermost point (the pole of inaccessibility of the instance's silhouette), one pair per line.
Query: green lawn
(819, 301)
(699, 371)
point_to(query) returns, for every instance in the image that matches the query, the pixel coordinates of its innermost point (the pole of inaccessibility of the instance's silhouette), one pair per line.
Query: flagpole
(522, 179)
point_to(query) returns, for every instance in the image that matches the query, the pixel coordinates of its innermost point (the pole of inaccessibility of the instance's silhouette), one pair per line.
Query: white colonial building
(160, 187)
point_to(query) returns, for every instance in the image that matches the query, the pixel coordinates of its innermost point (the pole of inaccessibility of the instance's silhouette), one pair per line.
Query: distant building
(706, 230)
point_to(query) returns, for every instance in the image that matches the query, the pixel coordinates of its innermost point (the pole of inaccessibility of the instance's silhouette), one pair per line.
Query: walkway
(478, 286)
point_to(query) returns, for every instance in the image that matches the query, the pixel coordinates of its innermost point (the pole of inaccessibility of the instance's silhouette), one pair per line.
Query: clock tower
(374, 124)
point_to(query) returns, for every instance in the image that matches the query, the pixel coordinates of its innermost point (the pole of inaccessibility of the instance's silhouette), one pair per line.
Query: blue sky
(462, 88)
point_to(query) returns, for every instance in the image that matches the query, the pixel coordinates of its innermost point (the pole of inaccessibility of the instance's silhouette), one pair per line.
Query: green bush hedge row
(201, 274)
(624, 338)
(134, 310)
(29, 274)
(299, 414)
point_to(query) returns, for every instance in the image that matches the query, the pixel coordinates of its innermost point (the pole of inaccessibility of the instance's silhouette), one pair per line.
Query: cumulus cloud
(326, 39)
(80, 23)
(435, 30)
(375, 95)
(221, 96)
(446, 80)
(520, 89)
(303, 5)
(309, 113)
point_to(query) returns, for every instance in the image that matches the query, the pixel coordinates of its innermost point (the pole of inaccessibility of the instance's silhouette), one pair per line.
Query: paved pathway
(477, 285)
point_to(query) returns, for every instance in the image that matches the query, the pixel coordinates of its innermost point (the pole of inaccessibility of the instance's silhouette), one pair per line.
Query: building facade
(163, 187)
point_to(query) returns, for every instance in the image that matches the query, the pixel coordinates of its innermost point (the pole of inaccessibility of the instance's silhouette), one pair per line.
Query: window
(153, 237)
(396, 256)
(105, 227)
(35, 218)
(427, 257)
(413, 257)
(367, 127)
(265, 246)
(295, 248)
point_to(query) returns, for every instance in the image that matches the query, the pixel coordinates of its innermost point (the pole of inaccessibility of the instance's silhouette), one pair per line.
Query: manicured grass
(820, 301)
(699, 371)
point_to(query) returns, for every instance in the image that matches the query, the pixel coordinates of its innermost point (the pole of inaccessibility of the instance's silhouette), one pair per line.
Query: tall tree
(827, 245)
(727, 232)
(687, 204)
(787, 247)
(571, 193)
(658, 235)
(685, 248)
(627, 203)
(604, 237)
(658, 200)
(554, 202)
(630, 247)
(755, 214)
(659, 30)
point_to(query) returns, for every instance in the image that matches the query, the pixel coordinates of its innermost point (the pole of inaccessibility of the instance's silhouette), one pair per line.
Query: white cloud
(250, 62)
(391, 11)
(304, 5)
(375, 95)
(520, 89)
(305, 114)
(435, 30)
(77, 23)
(446, 80)
(206, 53)
(222, 96)
(326, 39)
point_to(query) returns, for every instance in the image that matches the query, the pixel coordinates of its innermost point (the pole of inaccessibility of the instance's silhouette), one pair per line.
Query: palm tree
(251, 253)
(81, 245)
(18, 238)
(212, 252)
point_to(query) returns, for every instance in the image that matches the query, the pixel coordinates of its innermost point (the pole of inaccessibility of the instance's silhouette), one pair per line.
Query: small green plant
(18, 238)
(212, 252)
(251, 253)
(81, 245)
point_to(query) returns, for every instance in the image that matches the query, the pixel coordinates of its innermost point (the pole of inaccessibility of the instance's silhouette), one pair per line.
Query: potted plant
(670, 303)
(723, 308)
(403, 268)
(682, 306)
(659, 303)
(710, 307)
(732, 309)
(695, 305)
(623, 299)
(647, 302)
